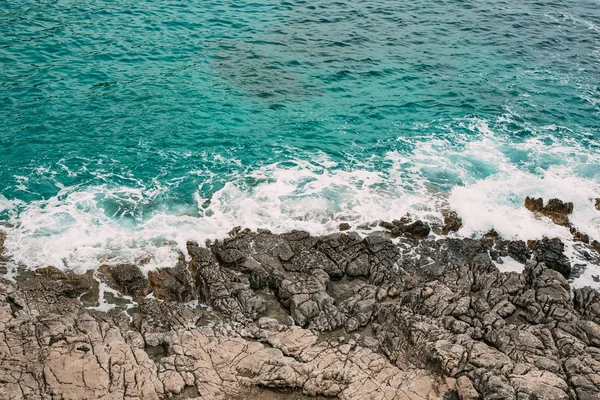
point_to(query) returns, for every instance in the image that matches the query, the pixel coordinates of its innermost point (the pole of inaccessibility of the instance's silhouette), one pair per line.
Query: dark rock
(551, 252)
(597, 204)
(231, 256)
(452, 222)
(587, 302)
(172, 284)
(490, 237)
(2, 240)
(52, 273)
(579, 236)
(130, 279)
(517, 249)
(556, 209)
(344, 226)
(533, 204)
(417, 229)
(82, 286)
(359, 266)
(386, 225)
(559, 207)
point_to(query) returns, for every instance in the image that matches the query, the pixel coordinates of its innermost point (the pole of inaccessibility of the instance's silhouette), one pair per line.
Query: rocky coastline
(394, 314)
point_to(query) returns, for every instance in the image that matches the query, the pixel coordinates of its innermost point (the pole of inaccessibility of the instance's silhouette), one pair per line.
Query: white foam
(509, 264)
(74, 229)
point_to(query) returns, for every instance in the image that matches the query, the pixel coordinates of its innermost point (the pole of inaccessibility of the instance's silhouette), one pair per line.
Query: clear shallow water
(131, 125)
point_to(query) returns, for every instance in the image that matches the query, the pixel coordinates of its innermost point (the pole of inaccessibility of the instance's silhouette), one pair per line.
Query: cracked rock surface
(292, 314)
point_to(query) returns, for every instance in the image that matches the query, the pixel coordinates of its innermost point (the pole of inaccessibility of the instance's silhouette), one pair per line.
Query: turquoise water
(132, 126)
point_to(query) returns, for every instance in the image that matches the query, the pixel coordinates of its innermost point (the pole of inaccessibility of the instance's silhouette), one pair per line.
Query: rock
(417, 229)
(452, 222)
(534, 205)
(551, 252)
(556, 209)
(172, 284)
(579, 236)
(334, 315)
(130, 279)
(344, 226)
(597, 204)
(386, 225)
(465, 389)
(359, 267)
(2, 240)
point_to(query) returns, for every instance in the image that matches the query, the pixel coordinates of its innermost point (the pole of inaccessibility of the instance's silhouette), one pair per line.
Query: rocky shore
(395, 314)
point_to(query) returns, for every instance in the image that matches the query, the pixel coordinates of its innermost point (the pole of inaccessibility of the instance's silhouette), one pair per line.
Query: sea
(129, 127)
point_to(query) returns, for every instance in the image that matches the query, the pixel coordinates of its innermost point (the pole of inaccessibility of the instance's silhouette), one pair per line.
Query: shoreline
(389, 315)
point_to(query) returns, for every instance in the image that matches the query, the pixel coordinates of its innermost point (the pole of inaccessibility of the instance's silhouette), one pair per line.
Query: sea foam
(484, 179)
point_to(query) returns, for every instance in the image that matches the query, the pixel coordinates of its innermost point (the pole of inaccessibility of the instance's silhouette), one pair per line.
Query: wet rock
(579, 236)
(130, 279)
(417, 229)
(386, 225)
(2, 240)
(534, 205)
(452, 222)
(517, 249)
(597, 204)
(551, 252)
(344, 226)
(172, 284)
(556, 209)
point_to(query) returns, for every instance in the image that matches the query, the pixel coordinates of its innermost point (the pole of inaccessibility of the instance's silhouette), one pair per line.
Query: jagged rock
(130, 279)
(172, 284)
(452, 222)
(465, 389)
(2, 240)
(417, 229)
(533, 204)
(556, 209)
(579, 236)
(79, 355)
(551, 252)
(587, 302)
(337, 315)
